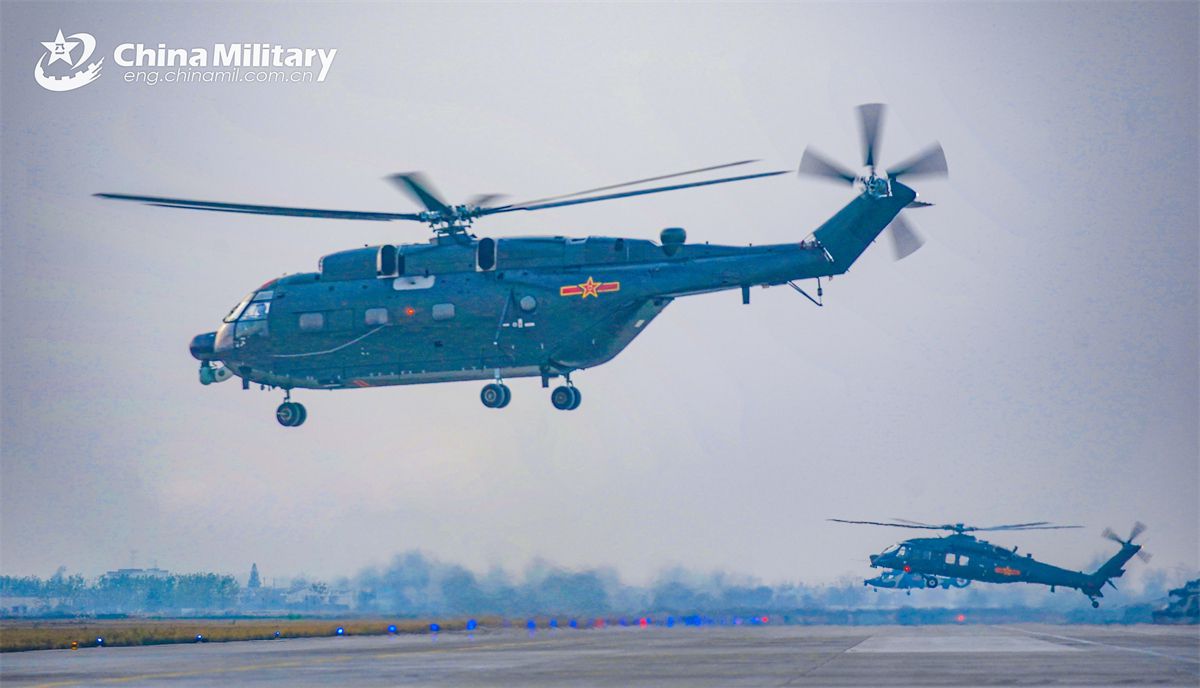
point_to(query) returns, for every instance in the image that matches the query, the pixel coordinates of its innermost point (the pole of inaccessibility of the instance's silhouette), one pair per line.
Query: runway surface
(683, 656)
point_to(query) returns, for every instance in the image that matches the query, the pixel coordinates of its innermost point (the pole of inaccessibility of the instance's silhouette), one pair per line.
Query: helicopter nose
(873, 558)
(203, 346)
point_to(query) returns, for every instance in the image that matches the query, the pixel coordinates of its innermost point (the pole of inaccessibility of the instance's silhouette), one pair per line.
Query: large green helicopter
(462, 307)
(963, 557)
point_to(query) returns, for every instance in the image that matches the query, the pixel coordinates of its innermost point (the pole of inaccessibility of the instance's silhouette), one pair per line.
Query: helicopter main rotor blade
(635, 182)
(894, 525)
(905, 239)
(418, 188)
(481, 200)
(814, 164)
(870, 120)
(625, 194)
(218, 206)
(1031, 527)
(915, 523)
(929, 162)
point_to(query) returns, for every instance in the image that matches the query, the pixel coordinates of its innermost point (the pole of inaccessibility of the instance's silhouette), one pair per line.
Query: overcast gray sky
(1036, 360)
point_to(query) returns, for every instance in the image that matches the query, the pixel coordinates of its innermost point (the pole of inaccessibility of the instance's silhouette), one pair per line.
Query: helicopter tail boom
(846, 235)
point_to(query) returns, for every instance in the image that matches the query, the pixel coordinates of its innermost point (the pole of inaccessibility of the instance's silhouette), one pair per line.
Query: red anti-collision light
(907, 568)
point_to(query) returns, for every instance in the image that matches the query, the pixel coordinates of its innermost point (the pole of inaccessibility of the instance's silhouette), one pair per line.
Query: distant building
(135, 573)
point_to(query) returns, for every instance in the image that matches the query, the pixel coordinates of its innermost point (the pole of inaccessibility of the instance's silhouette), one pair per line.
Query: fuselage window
(386, 266)
(949, 559)
(377, 316)
(963, 560)
(486, 250)
(312, 322)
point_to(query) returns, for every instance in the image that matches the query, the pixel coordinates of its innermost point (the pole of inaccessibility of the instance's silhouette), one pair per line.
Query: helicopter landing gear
(290, 414)
(566, 398)
(495, 395)
(1095, 604)
(931, 582)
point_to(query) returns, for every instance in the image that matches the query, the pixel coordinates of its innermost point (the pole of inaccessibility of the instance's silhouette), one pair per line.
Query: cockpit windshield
(237, 310)
(253, 307)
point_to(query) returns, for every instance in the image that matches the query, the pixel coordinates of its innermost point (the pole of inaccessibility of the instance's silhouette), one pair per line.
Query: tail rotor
(1138, 529)
(930, 162)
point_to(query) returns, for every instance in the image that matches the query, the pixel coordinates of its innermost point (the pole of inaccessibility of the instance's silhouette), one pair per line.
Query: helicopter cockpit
(890, 557)
(247, 319)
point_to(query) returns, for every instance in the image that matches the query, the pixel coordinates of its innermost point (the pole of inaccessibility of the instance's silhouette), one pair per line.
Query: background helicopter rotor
(1138, 529)
(959, 528)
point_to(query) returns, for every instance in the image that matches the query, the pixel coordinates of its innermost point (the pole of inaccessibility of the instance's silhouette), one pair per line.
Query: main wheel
(494, 395)
(1095, 604)
(507, 396)
(562, 397)
(290, 414)
(931, 582)
(578, 398)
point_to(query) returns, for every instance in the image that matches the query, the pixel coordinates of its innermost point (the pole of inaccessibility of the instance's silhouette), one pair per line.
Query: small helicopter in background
(461, 307)
(899, 580)
(960, 556)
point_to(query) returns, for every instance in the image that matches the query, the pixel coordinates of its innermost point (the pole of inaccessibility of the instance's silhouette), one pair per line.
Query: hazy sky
(1036, 360)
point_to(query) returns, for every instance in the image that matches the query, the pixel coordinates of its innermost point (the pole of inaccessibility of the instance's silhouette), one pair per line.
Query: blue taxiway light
(434, 628)
(531, 624)
(471, 624)
(553, 623)
(277, 634)
(392, 628)
(341, 631)
(573, 623)
(99, 642)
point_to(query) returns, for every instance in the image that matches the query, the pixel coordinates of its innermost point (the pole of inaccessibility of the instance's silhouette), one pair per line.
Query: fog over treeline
(416, 584)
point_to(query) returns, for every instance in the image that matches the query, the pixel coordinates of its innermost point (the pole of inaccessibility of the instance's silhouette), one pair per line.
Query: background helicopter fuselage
(964, 556)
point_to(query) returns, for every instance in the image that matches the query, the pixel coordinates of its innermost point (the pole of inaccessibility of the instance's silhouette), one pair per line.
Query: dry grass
(17, 635)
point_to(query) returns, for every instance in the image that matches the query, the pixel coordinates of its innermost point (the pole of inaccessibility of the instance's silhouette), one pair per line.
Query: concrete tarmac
(681, 656)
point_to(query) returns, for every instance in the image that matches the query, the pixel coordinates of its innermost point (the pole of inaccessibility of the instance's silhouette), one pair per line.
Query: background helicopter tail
(1115, 566)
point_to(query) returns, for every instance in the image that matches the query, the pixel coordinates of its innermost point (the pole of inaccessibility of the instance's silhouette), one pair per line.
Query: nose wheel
(495, 395)
(291, 414)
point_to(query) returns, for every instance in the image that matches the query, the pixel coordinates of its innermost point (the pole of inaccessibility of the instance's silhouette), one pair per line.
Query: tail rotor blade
(1144, 556)
(417, 187)
(905, 239)
(870, 119)
(1108, 533)
(814, 164)
(1138, 529)
(929, 162)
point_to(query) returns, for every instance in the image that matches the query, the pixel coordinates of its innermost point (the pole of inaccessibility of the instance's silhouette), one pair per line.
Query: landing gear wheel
(291, 414)
(1095, 604)
(578, 398)
(495, 395)
(931, 582)
(565, 398)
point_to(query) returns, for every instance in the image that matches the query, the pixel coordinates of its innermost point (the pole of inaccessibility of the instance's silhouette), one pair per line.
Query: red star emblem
(590, 288)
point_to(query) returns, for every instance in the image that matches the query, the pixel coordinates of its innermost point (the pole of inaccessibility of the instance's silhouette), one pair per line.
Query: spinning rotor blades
(928, 163)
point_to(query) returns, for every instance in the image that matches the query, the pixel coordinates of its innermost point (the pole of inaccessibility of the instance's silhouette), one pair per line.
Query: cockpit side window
(257, 310)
